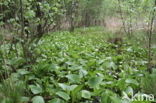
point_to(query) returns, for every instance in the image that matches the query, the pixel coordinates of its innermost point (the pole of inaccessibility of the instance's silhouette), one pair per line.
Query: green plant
(76, 68)
(149, 83)
(11, 91)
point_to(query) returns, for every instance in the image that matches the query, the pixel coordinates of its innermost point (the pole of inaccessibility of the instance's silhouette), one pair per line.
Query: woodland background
(77, 51)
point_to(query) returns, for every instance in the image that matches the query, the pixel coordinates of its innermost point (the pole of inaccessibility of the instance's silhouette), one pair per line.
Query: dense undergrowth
(79, 67)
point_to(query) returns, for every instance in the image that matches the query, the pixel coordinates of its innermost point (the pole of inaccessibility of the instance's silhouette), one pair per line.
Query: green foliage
(35, 89)
(109, 96)
(68, 60)
(78, 67)
(11, 91)
(149, 83)
(38, 99)
(75, 67)
(63, 95)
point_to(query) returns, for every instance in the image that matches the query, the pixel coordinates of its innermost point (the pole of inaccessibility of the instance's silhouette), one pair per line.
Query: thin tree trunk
(22, 19)
(150, 32)
(22, 29)
(122, 18)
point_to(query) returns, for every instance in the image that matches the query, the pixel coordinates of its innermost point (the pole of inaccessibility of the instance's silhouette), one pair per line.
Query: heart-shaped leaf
(38, 99)
(94, 82)
(63, 95)
(73, 78)
(35, 89)
(86, 94)
(56, 100)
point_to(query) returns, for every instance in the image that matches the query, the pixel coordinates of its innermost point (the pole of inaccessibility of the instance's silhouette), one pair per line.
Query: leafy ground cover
(79, 67)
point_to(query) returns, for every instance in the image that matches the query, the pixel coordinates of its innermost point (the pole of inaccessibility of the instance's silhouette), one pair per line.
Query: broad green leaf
(94, 82)
(74, 78)
(56, 100)
(35, 89)
(25, 99)
(38, 99)
(82, 73)
(67, 87)
(86, 94)
(132, 81)
(23, 71)
(110, 65)
(64, 86)
(63, 95)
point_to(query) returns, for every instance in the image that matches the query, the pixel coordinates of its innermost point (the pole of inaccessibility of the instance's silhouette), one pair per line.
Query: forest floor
(82, 67)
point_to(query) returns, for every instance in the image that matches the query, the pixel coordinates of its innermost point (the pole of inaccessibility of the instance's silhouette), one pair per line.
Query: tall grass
(11, 91)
